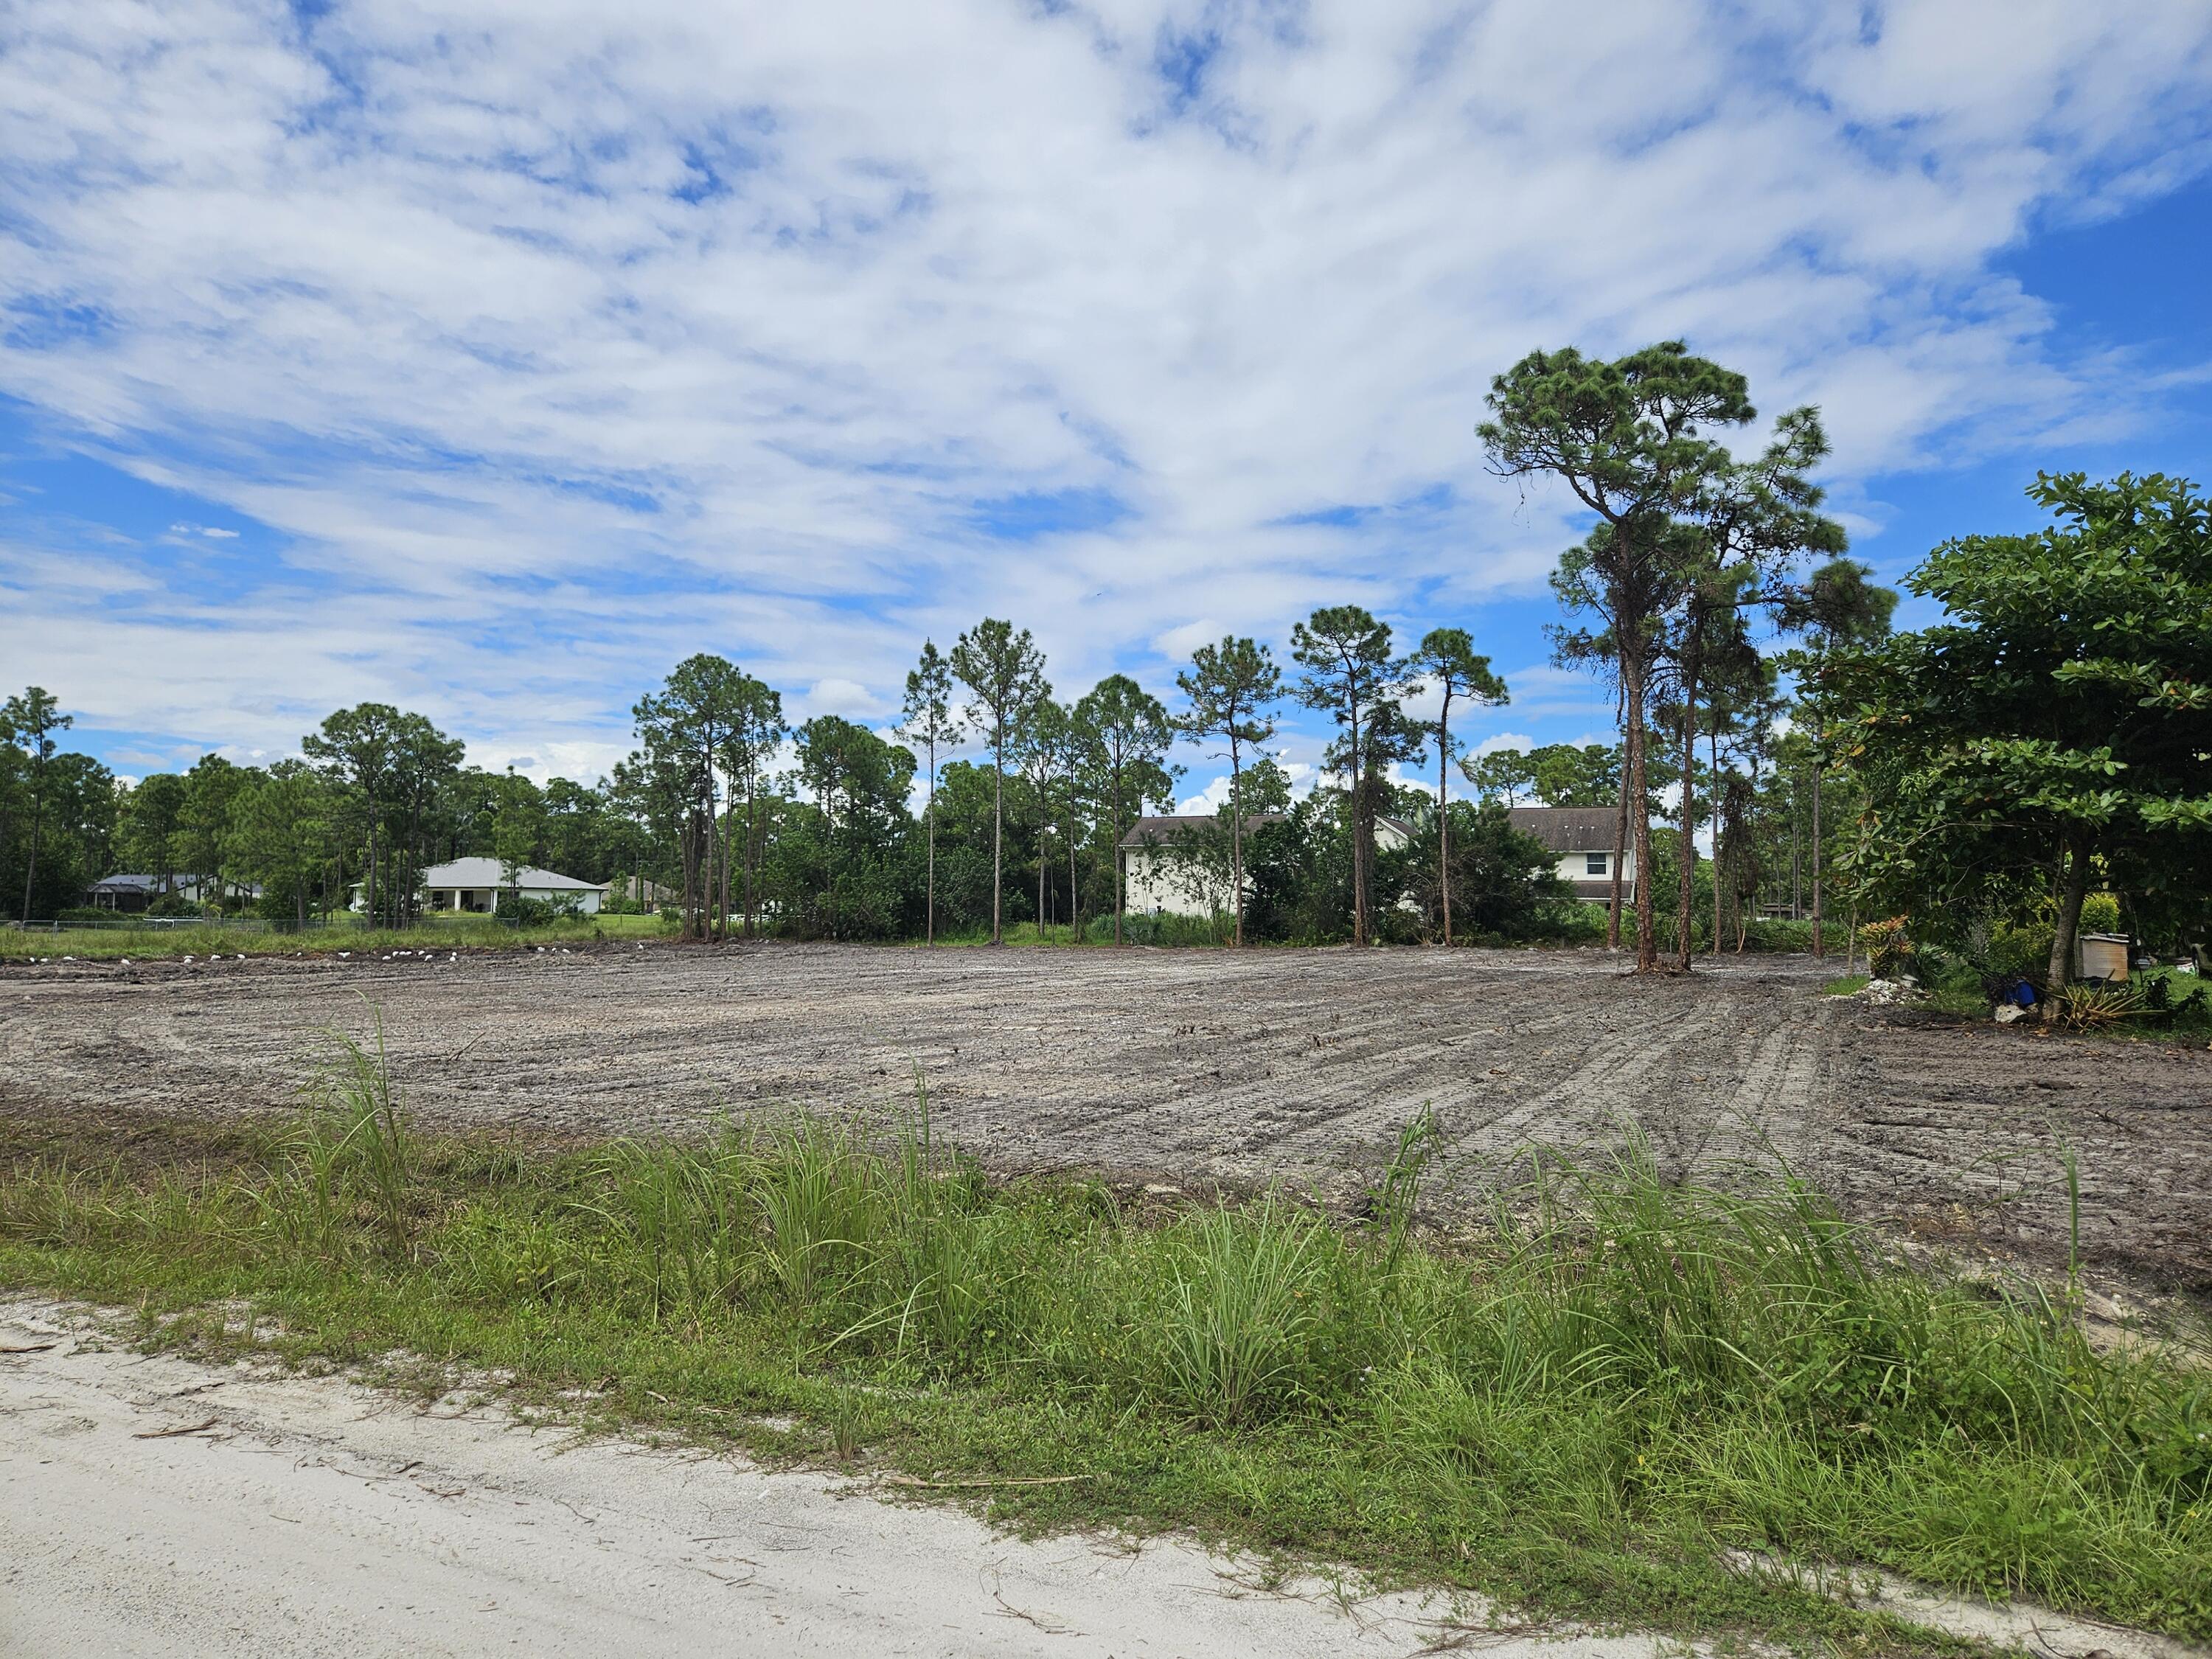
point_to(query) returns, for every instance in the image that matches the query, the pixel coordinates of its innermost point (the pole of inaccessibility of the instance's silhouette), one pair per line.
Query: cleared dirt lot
(1196, 1065)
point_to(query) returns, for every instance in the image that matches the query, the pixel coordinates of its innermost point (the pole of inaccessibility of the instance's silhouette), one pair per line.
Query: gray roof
(485, 872)
(125, 883)
(1153, 831)
(1569, 828)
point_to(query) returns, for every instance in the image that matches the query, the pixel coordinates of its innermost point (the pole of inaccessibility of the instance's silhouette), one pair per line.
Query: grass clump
(1584, 1409)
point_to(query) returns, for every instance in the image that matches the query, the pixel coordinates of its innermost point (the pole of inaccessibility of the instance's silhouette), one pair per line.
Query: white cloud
(1519, 741)
(1177, 644)
(842, 696)
(632, 332)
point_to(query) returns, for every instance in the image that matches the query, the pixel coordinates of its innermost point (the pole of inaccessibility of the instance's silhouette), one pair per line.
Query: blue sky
(488, 360)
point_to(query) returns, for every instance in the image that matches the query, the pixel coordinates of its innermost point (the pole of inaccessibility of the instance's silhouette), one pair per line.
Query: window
(1594, 863)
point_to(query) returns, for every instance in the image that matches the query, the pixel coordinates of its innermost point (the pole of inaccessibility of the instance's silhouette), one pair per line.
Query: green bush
(2100, 913)
(2020, 949)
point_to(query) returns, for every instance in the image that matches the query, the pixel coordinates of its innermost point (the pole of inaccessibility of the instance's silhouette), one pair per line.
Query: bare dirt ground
(1198, 1065)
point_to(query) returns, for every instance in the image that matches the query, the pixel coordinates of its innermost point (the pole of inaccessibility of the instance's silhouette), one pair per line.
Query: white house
(1156, 882)
(1582, 838)
(478, 885)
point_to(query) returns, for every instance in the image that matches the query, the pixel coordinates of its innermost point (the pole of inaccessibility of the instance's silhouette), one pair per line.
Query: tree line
(2046, 739)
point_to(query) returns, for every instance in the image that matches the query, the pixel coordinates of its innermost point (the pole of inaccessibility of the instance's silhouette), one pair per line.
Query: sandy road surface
(155, 1505)
(1271, 1064)
(315, 1516)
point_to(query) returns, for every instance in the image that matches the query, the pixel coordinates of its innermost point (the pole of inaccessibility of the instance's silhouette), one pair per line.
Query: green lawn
(1580, 1411)
(186, 939)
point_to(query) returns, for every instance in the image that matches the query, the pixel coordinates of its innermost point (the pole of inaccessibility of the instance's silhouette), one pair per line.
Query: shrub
(1888, 947)
(2100, 913)
(2020, 949)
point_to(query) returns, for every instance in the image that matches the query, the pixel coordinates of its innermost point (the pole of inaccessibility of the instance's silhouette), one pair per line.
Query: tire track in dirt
(1268, 1064)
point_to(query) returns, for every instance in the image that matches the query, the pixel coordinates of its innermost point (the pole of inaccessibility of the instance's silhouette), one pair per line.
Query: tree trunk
(1686, 898)
(1713, 762)
(689, 838)
(1074, 877)
(1620, 851)
(1820, 941)
(2077, 888)
(31, 869)
(1353, 769)
(729, 848)
(1121, 866)
(1797, 864)
(1750, 841)
(1237, 837)
(752, 854)
(1443, 813)
(929, 913)
(1647, 943)
(998, 819)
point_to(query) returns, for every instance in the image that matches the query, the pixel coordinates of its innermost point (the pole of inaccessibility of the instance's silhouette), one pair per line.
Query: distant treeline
(1975, 780)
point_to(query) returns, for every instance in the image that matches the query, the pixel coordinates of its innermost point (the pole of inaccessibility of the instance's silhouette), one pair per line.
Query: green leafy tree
(1133, 734)
(2056, 719)
(1503, 774)
(29, 722)
(517, 831)
(1507, 881)
(211, 787)
(1349, 670)
(839, 865)
(281, 835)
(690, 726)
(1625, 437)
(424, 761)
(1446, 660)
(928, 713)
(708, 695)
(1233, 688)
(1566, 775)
(356, 748)
(1038, 740)
(147, 828)
(1835, 608)
(1740, 530)
(1002, 669)
(757, 732)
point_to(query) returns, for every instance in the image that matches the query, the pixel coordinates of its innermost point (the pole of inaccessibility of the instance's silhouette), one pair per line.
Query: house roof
(485, 872)
(1568, 829)
(1151, 831)
(126, 884)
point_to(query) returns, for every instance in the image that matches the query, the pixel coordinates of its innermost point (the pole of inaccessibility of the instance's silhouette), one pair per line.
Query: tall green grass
(1589, 1405)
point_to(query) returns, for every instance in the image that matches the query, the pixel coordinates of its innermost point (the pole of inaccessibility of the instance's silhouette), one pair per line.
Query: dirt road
(160, 1507)
(1184, 1066)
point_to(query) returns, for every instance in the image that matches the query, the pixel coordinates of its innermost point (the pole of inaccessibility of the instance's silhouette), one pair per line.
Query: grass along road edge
(1598, 1410)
